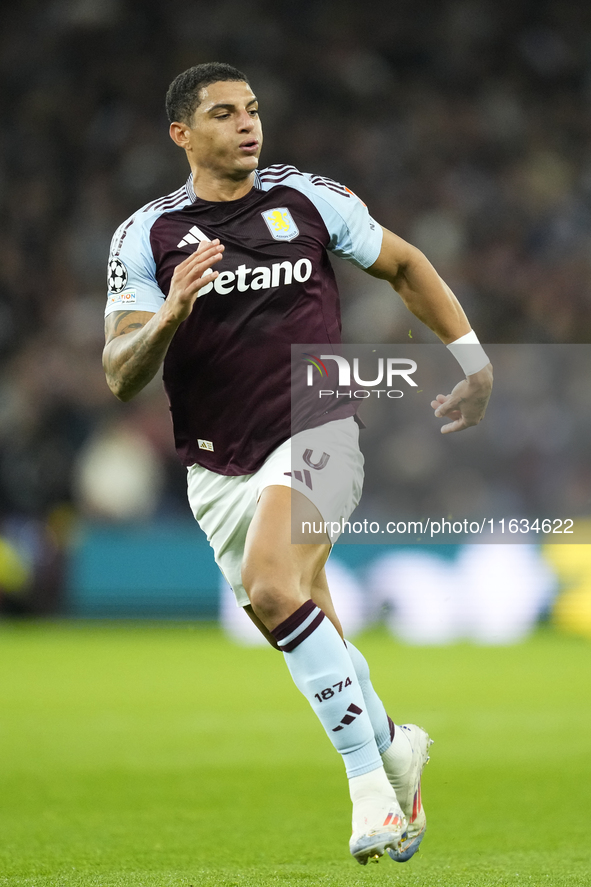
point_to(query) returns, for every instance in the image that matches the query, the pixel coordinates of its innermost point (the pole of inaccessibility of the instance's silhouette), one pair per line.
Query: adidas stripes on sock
(322, 670)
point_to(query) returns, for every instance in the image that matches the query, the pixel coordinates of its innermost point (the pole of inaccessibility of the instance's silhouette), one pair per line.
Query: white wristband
(469, 353)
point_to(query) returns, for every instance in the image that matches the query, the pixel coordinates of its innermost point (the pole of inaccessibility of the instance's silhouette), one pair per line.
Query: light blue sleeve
(354, 235)
(131, 270)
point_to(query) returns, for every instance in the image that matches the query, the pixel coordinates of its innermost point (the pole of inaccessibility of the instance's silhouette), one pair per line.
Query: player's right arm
(136, 342)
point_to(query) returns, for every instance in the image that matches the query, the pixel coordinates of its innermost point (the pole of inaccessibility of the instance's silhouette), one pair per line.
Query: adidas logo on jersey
(261, 278)
(194, 235)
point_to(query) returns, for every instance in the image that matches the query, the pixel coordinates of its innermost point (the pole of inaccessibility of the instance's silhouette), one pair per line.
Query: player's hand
(190, 276)
(466, 405)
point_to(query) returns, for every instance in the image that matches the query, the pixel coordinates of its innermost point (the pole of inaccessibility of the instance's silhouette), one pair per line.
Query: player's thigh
(270, 558)
(224, 507)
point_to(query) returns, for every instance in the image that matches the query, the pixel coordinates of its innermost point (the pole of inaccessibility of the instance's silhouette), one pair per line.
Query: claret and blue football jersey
(227, 370)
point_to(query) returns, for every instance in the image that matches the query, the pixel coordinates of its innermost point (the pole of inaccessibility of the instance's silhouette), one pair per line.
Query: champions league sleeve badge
(116, 275)
(280, 223)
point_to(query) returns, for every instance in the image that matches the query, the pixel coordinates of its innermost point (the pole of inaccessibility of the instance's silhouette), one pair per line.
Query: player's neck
(208, 186)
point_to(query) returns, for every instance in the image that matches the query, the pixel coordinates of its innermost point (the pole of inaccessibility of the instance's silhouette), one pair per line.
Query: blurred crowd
(464, 125)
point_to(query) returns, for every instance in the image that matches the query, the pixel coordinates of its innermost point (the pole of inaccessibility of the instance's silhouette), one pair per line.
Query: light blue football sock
(322, 670)
(382, 725)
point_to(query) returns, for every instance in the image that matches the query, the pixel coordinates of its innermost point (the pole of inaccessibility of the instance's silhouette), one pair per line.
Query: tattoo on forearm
(119, 318)
(133, 355)
(130, 327)
(131, 361)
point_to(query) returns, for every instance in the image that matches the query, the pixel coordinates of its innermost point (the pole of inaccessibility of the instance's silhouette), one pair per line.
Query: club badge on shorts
(280, 223)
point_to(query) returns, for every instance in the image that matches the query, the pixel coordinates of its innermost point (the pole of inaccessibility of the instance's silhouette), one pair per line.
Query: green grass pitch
(164, 756)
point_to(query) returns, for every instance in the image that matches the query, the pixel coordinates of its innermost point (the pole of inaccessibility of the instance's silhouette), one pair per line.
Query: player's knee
(272, 603)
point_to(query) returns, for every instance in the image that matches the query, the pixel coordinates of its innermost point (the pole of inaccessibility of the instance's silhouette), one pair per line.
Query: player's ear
(179, 133)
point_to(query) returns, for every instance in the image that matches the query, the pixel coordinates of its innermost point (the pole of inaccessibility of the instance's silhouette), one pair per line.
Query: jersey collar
(191, 190)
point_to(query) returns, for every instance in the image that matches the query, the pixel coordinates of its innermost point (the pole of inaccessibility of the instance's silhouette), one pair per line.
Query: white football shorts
(324, 463)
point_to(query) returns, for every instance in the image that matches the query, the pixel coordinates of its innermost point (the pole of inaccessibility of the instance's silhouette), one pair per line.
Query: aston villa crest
(280, 223)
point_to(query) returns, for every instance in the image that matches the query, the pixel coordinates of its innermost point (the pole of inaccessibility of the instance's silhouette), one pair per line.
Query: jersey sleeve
(131, 270)
(354, 235)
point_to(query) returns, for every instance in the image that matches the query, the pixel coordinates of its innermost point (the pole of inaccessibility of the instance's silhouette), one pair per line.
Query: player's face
(226, 134)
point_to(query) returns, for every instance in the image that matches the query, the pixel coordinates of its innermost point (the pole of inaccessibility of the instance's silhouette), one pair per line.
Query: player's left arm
(431, 300)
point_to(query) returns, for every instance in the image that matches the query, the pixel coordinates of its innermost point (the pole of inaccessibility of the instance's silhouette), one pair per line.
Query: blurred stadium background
(466, 128)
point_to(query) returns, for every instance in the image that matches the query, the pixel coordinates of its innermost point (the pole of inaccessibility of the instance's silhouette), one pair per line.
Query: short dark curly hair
(182, 98)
